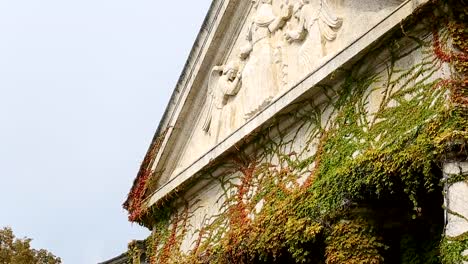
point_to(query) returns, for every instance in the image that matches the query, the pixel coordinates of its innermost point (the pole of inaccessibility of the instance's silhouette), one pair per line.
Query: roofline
(349, 54)
(406, 8)
(177, 93)
(185, 69)
(122, 256)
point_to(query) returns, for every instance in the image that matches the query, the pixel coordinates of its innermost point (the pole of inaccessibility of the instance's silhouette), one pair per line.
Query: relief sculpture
(224, 82)
(317, 24)
(259, 76)
(265, 58)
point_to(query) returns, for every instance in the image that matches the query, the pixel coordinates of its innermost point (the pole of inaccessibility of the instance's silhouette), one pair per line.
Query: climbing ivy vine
(353, 179)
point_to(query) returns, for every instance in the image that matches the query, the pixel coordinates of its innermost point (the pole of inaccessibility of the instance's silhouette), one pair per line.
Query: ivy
(452, 249)
(322, 189)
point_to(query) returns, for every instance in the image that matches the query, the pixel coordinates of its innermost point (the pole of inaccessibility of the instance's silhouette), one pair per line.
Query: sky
(83, 85)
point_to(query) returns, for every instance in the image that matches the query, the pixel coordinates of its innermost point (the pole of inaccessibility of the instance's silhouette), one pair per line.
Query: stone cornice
(182, 89)
(219, 16)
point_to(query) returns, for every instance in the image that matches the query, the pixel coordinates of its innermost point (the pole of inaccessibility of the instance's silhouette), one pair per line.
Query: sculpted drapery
(259, 75)
(224, 83)
(317, 24)
(261, 57)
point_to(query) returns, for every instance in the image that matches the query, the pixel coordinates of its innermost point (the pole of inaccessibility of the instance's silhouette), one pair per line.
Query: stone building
(135, 255)
(121, 259)
(313, 131)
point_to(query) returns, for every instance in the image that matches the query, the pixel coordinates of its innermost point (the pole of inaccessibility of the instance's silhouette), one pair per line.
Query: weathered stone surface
(455, 168)
(456, 199)
(266, 90)
(206, 195)
(457, 205)
(194, 147)
(342, 29)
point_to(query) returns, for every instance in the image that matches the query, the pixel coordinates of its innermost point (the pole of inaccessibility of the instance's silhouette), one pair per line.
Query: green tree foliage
(18, 251)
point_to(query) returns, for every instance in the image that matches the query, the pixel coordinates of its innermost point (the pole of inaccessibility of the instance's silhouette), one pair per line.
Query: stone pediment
(251, 60)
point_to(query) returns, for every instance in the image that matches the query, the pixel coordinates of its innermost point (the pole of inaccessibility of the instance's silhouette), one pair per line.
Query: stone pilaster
(456, 204)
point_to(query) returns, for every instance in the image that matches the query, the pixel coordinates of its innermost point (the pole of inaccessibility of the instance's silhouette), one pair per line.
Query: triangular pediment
(247, 57)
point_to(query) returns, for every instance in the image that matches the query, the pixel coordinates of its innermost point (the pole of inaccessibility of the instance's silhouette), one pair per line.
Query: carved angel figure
(258, 76)
(317, 24)
(224, 82)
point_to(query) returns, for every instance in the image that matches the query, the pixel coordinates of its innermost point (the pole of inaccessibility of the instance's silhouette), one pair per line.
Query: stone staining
(317, 24)
(224, 82)
(259, 78)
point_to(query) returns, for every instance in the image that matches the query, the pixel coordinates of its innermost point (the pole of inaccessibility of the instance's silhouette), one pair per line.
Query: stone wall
(355, 170)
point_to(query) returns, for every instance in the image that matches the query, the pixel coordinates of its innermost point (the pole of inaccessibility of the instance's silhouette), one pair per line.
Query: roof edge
(176, 94)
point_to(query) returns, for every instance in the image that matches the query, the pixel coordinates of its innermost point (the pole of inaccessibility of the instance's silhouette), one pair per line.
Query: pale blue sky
(83, 85)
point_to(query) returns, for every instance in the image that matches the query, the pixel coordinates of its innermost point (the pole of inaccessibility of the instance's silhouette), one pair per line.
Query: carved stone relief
(317, 24)
(224, 82)
(277, 43)
(284, 40)
(260, 78)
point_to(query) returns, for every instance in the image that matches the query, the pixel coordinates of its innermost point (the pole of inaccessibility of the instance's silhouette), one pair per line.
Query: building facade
(313, 131)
